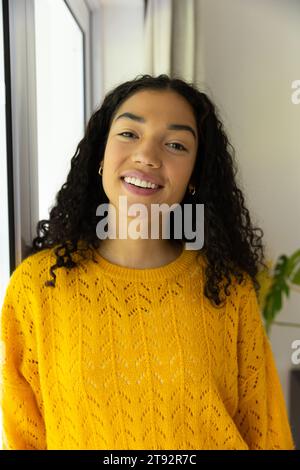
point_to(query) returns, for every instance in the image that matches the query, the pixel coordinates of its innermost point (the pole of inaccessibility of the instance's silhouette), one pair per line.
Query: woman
(139, 343)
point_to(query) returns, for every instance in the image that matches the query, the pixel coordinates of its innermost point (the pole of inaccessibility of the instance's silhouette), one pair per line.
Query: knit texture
(123, 358)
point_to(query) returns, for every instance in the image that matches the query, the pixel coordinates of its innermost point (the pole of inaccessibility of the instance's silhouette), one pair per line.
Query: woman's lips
(136, 190)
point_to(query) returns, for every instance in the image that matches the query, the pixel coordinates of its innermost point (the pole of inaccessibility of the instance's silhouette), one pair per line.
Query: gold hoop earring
(100, 170)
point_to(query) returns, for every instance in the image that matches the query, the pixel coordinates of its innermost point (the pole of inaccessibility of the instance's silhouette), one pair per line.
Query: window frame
(24, 113)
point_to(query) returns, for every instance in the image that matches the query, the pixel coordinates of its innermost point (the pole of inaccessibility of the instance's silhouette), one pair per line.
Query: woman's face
(146, 142)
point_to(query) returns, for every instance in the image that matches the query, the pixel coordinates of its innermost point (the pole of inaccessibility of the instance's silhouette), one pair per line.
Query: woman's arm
(21, 400)
(261, 416)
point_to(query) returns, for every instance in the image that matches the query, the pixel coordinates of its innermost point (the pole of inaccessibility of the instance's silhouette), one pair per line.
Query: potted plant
(275, 284)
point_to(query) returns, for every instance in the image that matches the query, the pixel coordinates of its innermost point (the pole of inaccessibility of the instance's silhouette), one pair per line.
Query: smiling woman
(143, 343)
(153, 121)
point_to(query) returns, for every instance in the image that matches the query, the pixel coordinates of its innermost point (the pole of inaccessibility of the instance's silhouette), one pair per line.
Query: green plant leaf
(286, 289)
(292, 262)
(270, 308)
(296, 277)
(280, 267)
(286, 269)
(277, 300)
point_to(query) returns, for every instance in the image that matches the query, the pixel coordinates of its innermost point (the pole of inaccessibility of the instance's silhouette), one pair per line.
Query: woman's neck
(140, 253)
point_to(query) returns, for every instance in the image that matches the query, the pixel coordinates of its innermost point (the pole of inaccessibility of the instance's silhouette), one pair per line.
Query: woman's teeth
(140, 183)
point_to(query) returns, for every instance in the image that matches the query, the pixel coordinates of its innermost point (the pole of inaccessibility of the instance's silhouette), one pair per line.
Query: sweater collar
(181, 264)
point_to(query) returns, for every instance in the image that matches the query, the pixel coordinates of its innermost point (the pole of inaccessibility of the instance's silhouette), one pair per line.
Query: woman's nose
(148, 161)
(148, 155)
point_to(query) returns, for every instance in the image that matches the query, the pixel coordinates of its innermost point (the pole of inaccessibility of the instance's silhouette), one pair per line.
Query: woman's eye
(176, 143)
(126, 132)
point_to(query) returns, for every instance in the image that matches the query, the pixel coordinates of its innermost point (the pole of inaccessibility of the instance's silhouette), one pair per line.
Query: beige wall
(122, 25)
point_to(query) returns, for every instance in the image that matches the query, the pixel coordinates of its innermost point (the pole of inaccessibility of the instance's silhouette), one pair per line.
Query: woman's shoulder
(241, 284)
(237, 290)
(243, 289)
(25, 281)
(36, 261)
(32, 268)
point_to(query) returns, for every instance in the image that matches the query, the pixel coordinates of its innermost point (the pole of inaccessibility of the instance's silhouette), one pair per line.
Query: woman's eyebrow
(177, 127)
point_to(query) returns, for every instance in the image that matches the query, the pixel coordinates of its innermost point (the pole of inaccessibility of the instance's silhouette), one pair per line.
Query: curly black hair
(232, 246)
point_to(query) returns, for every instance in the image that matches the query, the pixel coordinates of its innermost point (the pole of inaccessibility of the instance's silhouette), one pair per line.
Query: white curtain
(170, 38)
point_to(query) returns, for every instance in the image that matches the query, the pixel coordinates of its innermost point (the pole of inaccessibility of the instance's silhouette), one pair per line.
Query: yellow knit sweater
(123, 358)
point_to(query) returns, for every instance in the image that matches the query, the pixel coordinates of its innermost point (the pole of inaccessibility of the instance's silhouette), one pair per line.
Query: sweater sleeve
(21, 400)
(261, 415)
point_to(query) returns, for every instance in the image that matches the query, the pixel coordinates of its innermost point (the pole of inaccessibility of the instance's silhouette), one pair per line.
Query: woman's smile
(139, 190)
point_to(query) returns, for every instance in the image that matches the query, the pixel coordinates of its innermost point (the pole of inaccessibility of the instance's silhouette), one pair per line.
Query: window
(59, 43)
(51, 100)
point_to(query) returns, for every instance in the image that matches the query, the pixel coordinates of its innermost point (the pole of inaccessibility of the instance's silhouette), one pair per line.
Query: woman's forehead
(161, 103)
